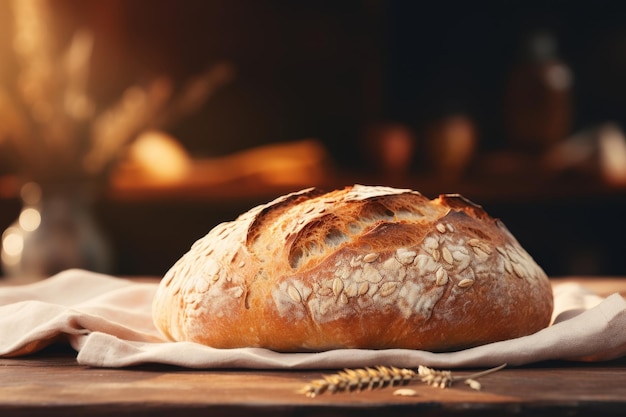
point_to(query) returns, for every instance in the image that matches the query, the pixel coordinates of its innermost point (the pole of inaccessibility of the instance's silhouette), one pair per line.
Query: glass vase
(56, 230)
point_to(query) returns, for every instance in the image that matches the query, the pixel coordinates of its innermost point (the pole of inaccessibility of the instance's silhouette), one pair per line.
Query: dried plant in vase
(55, 131)
(54, 128)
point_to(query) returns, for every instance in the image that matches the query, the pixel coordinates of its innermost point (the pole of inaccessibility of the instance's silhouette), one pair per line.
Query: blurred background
(128, 129)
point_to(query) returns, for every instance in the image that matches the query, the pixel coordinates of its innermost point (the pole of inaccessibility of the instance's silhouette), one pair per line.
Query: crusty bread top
(315, 259)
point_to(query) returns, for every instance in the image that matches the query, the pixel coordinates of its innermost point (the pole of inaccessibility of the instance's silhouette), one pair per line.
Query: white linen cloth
(108, 321)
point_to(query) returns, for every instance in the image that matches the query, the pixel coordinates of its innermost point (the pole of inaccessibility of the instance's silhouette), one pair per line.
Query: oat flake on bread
(362, 267)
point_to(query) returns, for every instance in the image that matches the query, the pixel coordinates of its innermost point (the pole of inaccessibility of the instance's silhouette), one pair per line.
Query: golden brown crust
(362, 267)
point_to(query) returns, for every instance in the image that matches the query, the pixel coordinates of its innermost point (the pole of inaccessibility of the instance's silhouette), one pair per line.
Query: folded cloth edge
(92, 314)
(602, 327)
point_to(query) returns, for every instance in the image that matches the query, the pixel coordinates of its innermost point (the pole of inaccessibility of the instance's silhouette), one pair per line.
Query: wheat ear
(350, 380)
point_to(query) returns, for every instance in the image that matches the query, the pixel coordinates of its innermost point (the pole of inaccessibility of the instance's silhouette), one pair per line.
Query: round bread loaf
(362, 267)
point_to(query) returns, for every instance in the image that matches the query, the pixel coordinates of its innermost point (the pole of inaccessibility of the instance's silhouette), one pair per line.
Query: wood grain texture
(51, 384)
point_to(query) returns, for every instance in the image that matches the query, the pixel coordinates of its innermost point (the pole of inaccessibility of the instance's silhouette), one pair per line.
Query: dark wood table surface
(51, 383)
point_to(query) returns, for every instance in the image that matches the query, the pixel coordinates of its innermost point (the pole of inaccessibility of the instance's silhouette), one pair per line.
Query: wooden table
(51, 383)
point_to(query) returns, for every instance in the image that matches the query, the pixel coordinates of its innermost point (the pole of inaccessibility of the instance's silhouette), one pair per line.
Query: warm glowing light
(30, 219)
(613, 155)
(13, 242)
(161, 156)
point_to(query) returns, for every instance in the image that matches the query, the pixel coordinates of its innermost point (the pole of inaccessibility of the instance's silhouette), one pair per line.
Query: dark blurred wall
(328, 69)
(454, 55)
(302, 69)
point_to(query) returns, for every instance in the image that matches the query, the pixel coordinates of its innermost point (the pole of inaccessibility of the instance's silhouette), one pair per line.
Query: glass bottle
(538, 108)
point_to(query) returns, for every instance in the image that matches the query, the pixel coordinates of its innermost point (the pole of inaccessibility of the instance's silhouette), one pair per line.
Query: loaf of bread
(362, 267)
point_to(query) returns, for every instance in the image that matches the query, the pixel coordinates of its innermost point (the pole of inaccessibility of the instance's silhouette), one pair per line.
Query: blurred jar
(538, 102)
(390, 148)
(451, 142)
(55, 230)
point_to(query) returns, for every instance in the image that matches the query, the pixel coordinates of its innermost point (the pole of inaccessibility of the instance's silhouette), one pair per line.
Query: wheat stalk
(350, 380)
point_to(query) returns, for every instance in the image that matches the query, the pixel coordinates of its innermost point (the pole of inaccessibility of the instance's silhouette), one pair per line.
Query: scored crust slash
(362, 267)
